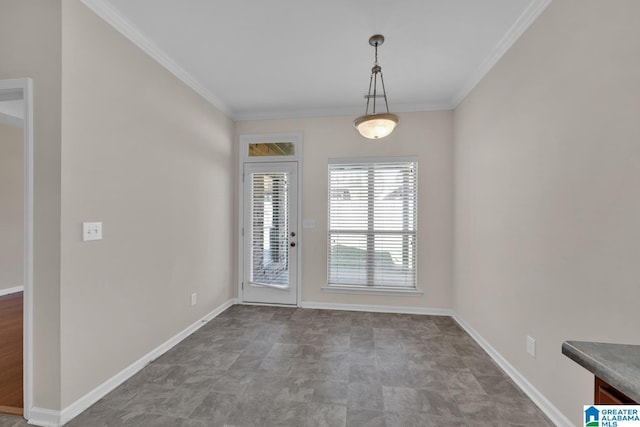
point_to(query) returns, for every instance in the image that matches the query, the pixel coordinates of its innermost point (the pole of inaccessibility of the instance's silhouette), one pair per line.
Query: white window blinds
(373, 223)
(270, 229)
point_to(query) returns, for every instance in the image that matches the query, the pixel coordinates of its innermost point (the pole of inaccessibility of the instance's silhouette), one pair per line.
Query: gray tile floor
(270, 366)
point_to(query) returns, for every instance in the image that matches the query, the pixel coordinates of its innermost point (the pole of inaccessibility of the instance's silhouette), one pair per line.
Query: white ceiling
(294, 58)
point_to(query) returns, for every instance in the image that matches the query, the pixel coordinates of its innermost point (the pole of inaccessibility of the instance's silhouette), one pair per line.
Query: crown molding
(109, 14)
(337, 111)
(296, 114)
(519, 27)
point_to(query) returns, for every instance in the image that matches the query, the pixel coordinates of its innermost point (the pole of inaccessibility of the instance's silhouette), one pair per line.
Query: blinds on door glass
(270, 229)
(373, 223)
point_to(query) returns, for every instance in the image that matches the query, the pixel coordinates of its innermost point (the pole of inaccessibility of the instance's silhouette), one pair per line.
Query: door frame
(243, 157)
(26, 85)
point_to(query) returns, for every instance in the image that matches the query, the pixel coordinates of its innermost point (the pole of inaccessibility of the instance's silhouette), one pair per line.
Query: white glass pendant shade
(376, 126)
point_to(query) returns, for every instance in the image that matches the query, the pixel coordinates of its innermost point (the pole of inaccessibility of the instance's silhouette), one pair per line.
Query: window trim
(372, 288)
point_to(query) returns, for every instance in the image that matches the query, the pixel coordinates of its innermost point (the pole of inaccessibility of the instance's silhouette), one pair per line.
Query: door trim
(26, 85)
(243, 157)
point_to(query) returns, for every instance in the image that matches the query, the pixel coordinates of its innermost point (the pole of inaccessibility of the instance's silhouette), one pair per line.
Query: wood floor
(11, 354)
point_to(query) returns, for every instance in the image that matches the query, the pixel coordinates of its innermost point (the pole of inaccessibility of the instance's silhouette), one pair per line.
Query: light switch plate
(91, 231)
(531, 346)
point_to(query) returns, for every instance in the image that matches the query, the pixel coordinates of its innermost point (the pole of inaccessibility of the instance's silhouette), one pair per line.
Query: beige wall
(163, 147)
(30, 46)
(427, 135)
(153, 161)
(11, 206)
(547, 208)
(546, 220)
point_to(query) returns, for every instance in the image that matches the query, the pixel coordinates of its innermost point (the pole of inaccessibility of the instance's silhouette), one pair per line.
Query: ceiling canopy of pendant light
(376, 125)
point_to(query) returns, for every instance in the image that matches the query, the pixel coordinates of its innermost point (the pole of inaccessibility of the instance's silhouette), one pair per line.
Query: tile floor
(271, 366)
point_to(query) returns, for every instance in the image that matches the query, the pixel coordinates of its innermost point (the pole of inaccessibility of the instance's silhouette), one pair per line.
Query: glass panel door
(270, 224)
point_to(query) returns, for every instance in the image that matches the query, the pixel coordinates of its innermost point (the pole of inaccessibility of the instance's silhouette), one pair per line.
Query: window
(262, 149)
(372, 223)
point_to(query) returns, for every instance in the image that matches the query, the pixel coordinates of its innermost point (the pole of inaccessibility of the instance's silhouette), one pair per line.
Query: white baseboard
(12, 290)
(378, 308)
(44, 417)
(554, 414)
(100, 391)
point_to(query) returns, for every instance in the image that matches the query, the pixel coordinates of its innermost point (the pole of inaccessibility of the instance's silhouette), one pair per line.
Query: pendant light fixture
(376, 125)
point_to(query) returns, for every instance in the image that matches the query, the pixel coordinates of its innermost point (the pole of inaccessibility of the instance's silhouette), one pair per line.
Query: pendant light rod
(384, 91)
(366, 110)
(375, 87)
(375, 41)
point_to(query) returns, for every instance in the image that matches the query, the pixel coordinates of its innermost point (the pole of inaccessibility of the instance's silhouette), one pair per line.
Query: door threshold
(269, 304)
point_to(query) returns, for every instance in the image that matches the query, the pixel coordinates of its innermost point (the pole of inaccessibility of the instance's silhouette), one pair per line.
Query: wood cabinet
(606, 394)
(616, 362)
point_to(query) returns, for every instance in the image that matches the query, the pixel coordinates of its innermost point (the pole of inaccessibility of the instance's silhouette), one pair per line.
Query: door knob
(293, 244)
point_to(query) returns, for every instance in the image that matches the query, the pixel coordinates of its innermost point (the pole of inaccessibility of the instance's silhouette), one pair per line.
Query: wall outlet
(91, 231)
(531, 346)
(194, 299)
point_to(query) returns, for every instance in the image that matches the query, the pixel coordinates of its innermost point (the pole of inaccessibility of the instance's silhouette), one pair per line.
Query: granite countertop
(617, 364)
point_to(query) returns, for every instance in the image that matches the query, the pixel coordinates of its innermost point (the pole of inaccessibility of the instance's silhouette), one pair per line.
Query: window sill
(369, 291)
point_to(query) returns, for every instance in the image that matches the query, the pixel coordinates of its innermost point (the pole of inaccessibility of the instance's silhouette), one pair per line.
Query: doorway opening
(16, 245)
